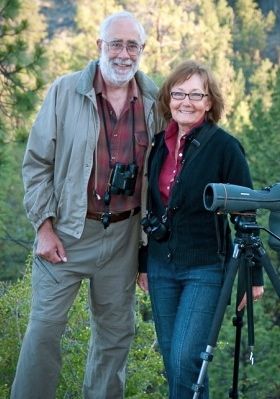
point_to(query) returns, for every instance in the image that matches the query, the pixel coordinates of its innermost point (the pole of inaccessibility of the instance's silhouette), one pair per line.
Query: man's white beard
(111, 74)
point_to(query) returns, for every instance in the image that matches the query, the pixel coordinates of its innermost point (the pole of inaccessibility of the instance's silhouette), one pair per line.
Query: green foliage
(21, 77)
(21, 63)
(16, 233)
(262, 139)
(250, 30)
(145, 373)
(14, 308)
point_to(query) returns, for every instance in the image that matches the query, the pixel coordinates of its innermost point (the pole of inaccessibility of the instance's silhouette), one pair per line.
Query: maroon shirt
(120, 135)
(172, 167)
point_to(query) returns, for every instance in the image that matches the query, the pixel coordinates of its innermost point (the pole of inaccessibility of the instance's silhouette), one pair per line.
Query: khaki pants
(109, 259)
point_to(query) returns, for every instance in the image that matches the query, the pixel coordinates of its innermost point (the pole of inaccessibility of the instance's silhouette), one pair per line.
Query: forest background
(40, 40)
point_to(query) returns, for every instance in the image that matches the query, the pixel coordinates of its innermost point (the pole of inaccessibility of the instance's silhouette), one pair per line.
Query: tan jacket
(59, 154)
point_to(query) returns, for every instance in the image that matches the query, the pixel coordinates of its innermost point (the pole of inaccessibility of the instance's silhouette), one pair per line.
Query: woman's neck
(183, 131)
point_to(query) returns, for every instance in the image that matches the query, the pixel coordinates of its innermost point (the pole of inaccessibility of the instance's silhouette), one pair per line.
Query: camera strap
(107, 135)
(106, 216)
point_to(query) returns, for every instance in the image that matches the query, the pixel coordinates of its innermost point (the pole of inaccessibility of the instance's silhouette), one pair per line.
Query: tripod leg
(217, 320)
(244, 285)
(250, 312)
(237, 321)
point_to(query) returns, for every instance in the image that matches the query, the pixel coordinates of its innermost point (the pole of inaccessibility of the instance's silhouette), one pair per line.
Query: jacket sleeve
(235, 167)
(38, 163)
(143, 259)
(237, 172)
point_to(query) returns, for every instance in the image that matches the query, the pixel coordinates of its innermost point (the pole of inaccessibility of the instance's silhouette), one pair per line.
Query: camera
(123, 178)
(154, 228)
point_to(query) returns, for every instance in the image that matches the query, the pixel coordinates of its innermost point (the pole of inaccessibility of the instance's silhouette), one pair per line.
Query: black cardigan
(210, 156)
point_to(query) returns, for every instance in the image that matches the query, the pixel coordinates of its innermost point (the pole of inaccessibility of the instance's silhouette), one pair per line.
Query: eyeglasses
(179, 95)
(117, 47)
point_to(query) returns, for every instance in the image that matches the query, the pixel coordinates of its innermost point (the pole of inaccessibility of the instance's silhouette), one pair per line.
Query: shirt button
(180, 155)
(169, 255)
(168, 187)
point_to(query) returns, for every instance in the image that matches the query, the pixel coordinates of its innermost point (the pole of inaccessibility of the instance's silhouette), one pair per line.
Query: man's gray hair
(121, 15)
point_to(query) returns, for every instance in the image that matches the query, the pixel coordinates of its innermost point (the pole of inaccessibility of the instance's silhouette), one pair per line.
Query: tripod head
(247, 239)
(246, 223)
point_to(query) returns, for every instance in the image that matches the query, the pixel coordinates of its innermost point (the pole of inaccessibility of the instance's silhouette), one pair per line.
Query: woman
(188, 247)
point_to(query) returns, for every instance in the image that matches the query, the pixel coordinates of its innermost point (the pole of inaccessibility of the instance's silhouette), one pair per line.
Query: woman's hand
(257, 292)
(142, 281)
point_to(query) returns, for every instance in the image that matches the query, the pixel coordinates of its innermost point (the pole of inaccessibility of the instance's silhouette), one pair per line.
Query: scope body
(229, 198)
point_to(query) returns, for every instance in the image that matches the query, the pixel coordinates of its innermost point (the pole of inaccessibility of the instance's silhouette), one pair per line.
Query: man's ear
(99, 44)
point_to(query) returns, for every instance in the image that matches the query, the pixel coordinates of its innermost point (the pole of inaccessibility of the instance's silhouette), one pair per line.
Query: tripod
(247, 247)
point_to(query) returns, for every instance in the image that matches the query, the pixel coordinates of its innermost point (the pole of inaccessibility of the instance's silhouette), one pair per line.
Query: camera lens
(154, 228)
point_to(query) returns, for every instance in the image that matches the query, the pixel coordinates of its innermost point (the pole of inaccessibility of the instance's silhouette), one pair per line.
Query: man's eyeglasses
(117, 47)
(179, 95)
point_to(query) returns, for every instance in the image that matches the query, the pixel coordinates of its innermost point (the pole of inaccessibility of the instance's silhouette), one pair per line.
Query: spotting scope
(230, 198)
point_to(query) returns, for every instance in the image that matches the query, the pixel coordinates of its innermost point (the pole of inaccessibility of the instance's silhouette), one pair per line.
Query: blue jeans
(183, 303)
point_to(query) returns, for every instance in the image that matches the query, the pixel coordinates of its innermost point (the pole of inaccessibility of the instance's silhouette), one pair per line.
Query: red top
(172, 167)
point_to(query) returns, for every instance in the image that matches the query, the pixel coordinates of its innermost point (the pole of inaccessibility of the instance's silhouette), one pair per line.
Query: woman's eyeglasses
(179, 95)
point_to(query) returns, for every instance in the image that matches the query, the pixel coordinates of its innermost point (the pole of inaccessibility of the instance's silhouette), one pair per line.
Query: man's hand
(142, 281)
(49, 245)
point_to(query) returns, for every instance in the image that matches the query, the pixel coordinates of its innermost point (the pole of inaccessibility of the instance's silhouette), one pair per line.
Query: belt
(114, 217)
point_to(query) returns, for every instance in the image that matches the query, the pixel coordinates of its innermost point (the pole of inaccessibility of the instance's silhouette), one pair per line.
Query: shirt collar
(172, 128)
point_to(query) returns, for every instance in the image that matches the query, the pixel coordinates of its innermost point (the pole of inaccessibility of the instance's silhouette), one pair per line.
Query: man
(83, 170)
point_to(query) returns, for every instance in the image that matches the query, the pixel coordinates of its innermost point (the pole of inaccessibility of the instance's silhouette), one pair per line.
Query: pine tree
(21, 63)
(261, 139)
(250, 35)
(21, 70)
